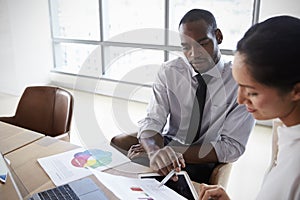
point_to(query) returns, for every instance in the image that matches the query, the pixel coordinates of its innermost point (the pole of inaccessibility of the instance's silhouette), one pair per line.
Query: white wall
(25, 44)
(270, 8)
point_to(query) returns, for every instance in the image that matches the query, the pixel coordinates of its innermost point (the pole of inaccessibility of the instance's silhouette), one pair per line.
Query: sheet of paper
(72, 165)
(134, 188)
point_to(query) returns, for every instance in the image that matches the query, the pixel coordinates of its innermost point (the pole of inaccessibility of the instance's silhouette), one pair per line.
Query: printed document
(136, 189)
(72, 165)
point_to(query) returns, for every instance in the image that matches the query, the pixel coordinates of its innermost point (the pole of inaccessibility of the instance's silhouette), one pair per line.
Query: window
(124, 17)
(233, 17)
(116, 39)
(75, 19)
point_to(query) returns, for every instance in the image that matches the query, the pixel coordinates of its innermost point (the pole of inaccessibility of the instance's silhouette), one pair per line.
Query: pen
(171, 173)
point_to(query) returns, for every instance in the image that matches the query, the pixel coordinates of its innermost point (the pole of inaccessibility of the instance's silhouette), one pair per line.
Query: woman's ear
(219, 36)
(296, 92)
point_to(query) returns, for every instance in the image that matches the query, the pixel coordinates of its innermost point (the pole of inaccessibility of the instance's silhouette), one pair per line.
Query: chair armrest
(9, 120)
(220, 174)
(65, 137)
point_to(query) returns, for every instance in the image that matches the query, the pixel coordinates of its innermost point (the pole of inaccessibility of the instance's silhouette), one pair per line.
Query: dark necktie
(197, 112)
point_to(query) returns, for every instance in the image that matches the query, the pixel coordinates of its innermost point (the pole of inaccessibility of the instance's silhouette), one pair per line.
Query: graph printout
(72, 165)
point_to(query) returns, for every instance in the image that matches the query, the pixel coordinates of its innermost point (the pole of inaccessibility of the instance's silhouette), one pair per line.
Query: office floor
(247, 172)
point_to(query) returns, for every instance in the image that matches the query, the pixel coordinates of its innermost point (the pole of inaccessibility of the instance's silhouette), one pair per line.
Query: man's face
(199, 44)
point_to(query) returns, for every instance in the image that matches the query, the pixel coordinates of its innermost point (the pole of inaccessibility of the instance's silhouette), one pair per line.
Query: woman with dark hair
(267, 68)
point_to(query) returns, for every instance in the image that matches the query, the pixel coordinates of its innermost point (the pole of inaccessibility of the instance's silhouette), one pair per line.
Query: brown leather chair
(220, 174)
(44, 109)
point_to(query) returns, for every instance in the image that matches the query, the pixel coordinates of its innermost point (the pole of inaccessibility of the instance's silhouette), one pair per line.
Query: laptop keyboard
(59, 193)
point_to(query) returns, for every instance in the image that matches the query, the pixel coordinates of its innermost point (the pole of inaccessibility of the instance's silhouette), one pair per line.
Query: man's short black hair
(199, 14)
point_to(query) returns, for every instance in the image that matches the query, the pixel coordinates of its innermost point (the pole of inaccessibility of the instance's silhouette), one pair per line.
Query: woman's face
(262, 101)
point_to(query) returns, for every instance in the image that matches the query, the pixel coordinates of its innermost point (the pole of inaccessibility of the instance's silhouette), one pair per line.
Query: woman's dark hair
(272, 54)
(199, 14)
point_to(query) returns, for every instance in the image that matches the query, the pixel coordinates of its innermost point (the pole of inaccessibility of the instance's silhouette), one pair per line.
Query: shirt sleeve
(234, 134)
(158, 107)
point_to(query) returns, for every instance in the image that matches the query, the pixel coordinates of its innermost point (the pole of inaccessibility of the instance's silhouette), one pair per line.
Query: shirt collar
(216, 71)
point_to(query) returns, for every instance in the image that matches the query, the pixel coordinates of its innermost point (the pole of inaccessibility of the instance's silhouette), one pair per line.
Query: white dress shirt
(283, 180)
(225, 124)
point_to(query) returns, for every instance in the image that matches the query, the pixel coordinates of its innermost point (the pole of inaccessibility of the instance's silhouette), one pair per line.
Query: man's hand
(212, 192)
(135, 151)
(166, 159)
(162, 159)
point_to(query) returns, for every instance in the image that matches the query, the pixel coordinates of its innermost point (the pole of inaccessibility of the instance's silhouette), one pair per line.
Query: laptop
(82, 189)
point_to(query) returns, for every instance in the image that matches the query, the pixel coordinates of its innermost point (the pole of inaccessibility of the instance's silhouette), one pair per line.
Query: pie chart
(92, 158)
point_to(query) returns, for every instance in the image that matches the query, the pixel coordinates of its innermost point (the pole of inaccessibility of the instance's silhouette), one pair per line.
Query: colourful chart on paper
(141, 194)
(92, 158)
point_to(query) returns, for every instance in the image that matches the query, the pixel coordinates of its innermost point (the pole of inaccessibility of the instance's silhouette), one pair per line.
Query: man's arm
(198, 154)
(234, 134)
(151, 141)
(230, 144)
(153, 145)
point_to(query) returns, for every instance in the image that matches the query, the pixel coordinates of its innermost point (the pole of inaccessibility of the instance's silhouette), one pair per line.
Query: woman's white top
(283, 180)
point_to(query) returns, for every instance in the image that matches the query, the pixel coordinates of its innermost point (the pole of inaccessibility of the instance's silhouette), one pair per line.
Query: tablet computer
(183, 186)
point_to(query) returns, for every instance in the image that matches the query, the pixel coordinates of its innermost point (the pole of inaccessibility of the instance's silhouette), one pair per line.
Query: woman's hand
(212, 192)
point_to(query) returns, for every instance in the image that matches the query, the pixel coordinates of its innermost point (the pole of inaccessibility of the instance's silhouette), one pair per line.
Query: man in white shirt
(165, 133)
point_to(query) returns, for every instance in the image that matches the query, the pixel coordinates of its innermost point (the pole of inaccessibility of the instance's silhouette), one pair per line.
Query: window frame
(102, 43)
